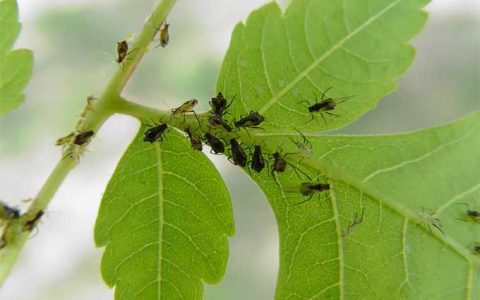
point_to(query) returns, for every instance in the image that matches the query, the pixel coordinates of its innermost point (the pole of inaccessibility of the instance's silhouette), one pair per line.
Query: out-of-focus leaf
(164, 220)
(15, 66)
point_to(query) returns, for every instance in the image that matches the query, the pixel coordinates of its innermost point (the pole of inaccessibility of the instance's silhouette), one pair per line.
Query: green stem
(100, 111)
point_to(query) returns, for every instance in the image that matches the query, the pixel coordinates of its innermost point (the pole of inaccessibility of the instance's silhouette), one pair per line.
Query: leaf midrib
(327, 53)
(158, 151)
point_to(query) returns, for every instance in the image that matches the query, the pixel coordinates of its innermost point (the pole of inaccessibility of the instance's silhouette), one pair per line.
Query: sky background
(74, 48)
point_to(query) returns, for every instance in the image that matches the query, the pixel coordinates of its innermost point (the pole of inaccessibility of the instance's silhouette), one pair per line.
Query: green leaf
(15, 66)
(401, 183)
(276, 61)
(164, 220)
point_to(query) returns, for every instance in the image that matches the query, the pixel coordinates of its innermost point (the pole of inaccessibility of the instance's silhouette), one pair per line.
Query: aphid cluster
(222, 134)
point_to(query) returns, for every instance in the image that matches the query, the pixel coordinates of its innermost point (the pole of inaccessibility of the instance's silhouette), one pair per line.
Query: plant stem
(100, 111)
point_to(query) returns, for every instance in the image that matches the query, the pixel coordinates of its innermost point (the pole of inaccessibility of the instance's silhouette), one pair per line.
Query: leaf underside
(165, 226)
(164, 220)
(389, 255)
(15, 66)
(398, 183)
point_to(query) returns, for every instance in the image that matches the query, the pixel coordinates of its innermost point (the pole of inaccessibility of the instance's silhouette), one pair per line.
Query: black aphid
(216, 120)
(83, 138)
(238, 155)
(476, 248)
(219, 105)
(326, 105)
(215, 143)
(308, 189)
(472, 215)
(258, 162)
(279, 163)
(194, 140)
(155, 133)
(122, 51)
(30, 224)
(253, 119)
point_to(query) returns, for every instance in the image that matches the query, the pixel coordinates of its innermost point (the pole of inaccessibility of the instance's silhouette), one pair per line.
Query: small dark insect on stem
(325, 105)
(215, 143)
(122, 51)
(164, 35)
(238, 154)
(30, 224)
(83, 138)
(155, 133)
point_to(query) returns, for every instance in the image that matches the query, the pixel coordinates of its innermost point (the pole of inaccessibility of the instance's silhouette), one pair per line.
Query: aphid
(155, 133)
(431, 219)
(253, 119)
(216, 144)
(217, 120)
(258, 162)
(8, 213)
(238, 155)
(122, 51)
(219, 105)
(279, 163)
(304, 145)
(187, 106)
(194, 140)
(476, 248)
(30, 224)
(309, 189)
(66, 139)
(356, 221)
(164, 36)
(325, 105)
(83, 138)
(472, 215)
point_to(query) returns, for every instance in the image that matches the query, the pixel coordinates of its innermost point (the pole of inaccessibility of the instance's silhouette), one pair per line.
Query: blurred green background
(74, 48)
